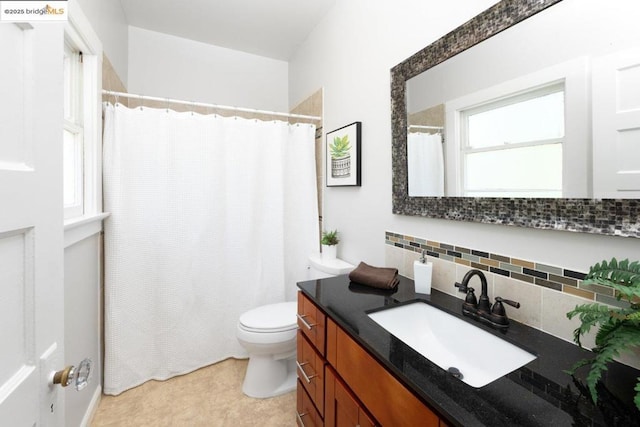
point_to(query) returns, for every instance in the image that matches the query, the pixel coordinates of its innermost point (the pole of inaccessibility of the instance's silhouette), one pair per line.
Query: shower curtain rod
(203, 104)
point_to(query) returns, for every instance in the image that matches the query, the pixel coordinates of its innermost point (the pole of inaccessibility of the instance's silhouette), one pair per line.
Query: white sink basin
(449, 342)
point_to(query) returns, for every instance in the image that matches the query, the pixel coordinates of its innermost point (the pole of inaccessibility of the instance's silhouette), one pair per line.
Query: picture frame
(342, 156)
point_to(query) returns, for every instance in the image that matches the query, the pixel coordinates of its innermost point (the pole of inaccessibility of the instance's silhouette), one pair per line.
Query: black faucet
(482, 310)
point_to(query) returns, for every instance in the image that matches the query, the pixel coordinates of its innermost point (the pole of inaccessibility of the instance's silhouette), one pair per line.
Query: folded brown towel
(377, 277)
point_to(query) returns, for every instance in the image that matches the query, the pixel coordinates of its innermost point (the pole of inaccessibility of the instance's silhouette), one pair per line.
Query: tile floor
(211, 396)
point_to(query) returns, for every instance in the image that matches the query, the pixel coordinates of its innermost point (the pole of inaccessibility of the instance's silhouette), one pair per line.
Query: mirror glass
(613, 138)
(548, 108)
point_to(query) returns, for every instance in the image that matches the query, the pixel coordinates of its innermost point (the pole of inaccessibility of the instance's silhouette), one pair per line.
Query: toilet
(268, 333)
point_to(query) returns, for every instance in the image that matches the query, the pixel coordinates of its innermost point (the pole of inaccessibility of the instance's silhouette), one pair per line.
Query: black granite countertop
(538, 394)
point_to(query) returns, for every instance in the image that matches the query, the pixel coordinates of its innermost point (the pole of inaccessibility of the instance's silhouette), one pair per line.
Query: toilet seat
(280, 317)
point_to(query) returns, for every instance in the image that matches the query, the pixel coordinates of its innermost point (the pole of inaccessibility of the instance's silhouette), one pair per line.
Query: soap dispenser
(422, 275)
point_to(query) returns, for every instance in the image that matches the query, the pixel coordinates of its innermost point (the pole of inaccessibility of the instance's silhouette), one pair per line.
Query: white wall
(168, 66)
(110, 23)
(82, 270)
(350, 54)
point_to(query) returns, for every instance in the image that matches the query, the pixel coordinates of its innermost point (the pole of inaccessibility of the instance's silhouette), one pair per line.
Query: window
(82, 132)
(512, 147)
(73, 140)
(81, 138)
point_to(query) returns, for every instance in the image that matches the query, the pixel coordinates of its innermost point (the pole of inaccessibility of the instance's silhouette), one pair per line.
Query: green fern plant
(619, 328)
(340, 147)
(330, 238)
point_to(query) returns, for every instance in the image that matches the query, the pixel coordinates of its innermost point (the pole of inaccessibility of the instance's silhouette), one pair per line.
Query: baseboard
(93, 407)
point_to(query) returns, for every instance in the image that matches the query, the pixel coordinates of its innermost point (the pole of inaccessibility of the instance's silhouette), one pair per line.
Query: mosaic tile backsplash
(546, 292)
(548, 276)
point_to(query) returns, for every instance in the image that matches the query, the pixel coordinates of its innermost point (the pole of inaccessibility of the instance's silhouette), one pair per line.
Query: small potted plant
(329, 243)
(619, 328)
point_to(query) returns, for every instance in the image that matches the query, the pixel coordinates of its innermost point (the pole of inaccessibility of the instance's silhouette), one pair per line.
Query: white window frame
(74, 124)
(576, 161)
(466, 149)
(80, 34)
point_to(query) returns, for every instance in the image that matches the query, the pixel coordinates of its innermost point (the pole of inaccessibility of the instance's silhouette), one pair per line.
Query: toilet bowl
(268, 333)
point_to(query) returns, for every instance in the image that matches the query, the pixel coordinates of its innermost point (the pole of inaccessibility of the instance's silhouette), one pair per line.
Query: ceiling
(271, 28)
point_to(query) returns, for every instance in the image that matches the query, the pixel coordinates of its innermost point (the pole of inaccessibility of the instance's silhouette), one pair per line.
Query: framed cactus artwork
(342, 156)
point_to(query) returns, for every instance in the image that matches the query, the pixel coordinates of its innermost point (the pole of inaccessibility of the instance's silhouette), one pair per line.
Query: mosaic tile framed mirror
(499, 62)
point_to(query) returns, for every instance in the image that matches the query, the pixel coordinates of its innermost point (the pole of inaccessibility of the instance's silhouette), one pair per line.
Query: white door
(616, 125)
(31, 233)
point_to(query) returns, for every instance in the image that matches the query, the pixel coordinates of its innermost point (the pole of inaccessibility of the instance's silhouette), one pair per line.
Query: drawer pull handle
(304, 322)
(304, 374)
(299, 417)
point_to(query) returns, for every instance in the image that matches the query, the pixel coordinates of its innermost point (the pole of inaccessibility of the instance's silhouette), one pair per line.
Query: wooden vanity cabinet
(307, 415)
(310, 363)
(311, 321)
(349, 387)
(380, 392)
(342, 407)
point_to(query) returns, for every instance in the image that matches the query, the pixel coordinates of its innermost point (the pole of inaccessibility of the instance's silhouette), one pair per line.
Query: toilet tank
(320, 268)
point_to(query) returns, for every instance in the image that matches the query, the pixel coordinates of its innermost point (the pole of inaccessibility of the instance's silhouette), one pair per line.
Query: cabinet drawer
(306, 414)
(311, 371)
(311, 322)
(388, 400)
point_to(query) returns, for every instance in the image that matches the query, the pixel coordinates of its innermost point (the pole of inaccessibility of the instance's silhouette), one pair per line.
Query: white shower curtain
(210, 216)
(425, 161)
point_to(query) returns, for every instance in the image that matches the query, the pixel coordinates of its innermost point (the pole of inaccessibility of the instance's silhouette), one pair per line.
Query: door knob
(78, 376)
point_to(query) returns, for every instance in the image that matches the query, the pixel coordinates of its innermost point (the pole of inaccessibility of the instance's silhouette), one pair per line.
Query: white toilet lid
(271, 318)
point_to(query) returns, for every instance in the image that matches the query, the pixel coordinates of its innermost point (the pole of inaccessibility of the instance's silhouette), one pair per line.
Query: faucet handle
(499, 313)
(498, 308)
(461, 287)
(508, 301)
(471, 297)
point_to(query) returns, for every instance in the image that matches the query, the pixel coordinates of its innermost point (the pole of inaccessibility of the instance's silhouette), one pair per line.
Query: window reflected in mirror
(589, 72)
(513, 147)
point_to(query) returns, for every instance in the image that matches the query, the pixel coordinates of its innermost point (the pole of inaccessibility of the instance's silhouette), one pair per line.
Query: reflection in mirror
(531, 111)
(602, 203)
(425, 157)
(512, 147)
